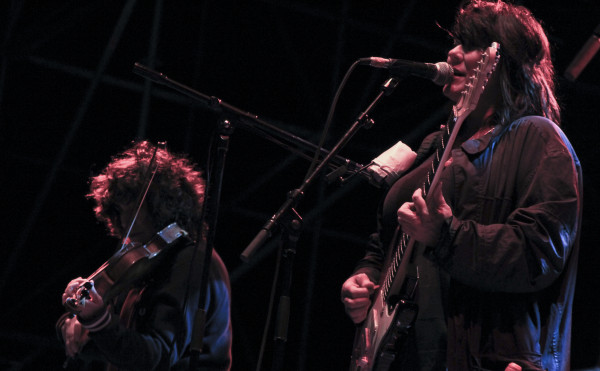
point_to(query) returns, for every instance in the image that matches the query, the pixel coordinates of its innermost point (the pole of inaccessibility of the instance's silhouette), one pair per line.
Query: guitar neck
(393, 310)
(400, 269)
(441, 155)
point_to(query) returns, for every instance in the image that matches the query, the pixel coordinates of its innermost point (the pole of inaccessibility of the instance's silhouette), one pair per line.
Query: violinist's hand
(74, 336)
(85, 300)
(356, 296)
(423, 220)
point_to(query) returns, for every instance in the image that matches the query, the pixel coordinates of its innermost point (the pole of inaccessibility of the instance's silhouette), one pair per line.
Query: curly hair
(176, 193)
(525, 67)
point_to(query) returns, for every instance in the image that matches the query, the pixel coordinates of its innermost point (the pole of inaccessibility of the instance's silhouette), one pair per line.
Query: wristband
(99, 324)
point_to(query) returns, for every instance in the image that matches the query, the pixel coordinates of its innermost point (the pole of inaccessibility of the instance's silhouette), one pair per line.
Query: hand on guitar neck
(422, 220)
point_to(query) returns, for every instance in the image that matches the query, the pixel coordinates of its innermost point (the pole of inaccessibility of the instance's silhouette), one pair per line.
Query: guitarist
(501, 234)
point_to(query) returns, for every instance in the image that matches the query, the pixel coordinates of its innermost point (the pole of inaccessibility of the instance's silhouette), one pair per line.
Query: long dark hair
(525, 67)
(175, 195)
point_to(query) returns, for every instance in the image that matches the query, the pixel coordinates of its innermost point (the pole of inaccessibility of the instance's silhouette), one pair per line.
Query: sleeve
(528, 250)
(164, 320)
(218, 334)
(89, 357)
(372, 263)
(60, 323)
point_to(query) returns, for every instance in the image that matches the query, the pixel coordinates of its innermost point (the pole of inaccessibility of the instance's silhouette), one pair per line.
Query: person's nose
(455, 55)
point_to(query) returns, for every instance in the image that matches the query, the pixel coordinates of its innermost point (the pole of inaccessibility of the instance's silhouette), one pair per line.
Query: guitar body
(393, 311)
(382, 333)
(386, 328)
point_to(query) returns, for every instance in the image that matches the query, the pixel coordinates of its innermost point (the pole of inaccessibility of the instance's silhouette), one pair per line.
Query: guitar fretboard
(404, 240)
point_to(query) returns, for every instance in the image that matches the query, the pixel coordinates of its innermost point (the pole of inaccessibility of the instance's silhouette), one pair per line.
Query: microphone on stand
(383, 171)
(386, 168)
(585, 55)
(440, 73)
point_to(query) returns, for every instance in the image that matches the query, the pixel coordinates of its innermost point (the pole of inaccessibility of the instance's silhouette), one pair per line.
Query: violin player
(148, 325)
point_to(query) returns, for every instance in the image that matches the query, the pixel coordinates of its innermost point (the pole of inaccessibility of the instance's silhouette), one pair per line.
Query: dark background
(69, 100)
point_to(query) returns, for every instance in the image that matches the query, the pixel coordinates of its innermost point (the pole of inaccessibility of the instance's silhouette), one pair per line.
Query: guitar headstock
(477, 81)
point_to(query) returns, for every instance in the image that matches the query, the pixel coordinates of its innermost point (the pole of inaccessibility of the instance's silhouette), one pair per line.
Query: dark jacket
(511, 248)
(152, 323)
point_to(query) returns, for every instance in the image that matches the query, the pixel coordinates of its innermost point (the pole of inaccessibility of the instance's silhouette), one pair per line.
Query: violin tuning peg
(72, 305)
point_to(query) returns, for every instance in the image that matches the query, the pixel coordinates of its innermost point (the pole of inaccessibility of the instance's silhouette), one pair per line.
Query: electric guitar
(393, 310)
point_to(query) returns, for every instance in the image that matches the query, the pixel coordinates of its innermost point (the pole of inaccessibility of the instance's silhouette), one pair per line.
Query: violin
(128, 265)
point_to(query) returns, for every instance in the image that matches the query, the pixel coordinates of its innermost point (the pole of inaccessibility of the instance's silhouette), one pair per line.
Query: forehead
(468, 47)
(473, 32)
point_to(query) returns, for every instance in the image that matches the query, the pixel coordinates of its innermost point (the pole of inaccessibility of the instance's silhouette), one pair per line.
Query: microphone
(585, 55)
(388, 166)
(440, 73)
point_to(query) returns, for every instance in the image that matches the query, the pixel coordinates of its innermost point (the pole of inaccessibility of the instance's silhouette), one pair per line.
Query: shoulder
(537, 124)
(219, 270)
(189, 251)
(536, 134)
(540, 130)
(428, 146)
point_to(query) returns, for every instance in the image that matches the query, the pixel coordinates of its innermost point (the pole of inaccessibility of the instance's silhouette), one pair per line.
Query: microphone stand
(294, 196)
(291, 222)
(213, 194)
(252, 122)
(286, 217)
(210, 216)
